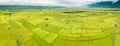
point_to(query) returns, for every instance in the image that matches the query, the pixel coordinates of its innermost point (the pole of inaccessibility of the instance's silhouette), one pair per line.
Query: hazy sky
(50, 2)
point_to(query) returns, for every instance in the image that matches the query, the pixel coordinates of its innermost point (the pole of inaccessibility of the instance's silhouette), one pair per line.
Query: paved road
(20, 40)
(115, 31)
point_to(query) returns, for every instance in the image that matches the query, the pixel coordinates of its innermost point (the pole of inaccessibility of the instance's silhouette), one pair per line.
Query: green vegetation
(58, 28)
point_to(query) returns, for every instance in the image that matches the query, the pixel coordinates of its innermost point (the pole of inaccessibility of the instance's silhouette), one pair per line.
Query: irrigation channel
(20, 37)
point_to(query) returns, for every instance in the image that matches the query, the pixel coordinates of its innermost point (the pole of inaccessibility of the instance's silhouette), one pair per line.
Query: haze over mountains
(65, 3)
(27, 7)
(82, 3)
(106, 4)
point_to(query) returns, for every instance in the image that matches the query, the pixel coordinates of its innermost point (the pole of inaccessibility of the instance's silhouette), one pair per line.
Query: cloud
(50, 2)
(115, 1)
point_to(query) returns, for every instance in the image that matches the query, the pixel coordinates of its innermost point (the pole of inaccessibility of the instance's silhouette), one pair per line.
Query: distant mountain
(106, 4)
(27, 7)
(117, 4)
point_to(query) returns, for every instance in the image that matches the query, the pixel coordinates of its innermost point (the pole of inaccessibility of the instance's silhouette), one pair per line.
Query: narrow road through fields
(20, 40)
(115, 31)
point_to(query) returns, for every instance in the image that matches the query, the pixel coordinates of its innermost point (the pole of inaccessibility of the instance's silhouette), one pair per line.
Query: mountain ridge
(106, 4)
(27, 7)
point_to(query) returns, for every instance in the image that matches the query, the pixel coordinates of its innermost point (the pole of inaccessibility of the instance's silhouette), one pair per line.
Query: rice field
(59, 28)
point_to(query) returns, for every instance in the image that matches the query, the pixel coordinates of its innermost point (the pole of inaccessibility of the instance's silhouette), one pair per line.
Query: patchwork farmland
(59, 28)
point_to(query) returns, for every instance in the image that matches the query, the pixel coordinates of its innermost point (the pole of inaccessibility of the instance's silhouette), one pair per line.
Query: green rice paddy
(58, 28)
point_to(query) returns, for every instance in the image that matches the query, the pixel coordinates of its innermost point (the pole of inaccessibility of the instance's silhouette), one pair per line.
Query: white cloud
(115, 1)
(50, 2)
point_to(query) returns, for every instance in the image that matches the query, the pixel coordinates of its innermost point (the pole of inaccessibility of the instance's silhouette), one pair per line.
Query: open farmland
(59, 28)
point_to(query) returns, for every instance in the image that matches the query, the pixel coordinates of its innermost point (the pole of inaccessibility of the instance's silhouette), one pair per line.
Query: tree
(46, 19)
(8, 14)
